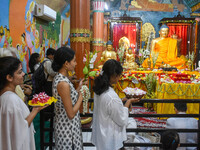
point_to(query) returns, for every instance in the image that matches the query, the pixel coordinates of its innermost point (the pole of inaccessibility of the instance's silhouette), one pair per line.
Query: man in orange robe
(166, 49)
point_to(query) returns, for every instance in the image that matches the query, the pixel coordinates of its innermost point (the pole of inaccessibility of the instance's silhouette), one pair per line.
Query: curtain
(181, 31)
(124, 29)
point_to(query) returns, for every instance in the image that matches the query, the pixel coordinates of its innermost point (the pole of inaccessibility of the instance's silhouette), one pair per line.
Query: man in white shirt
(183, 123)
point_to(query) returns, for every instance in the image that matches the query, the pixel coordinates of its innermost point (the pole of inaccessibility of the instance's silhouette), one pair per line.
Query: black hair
(102, 82)
(8, 65)
(62, 55)
(170, 140)
(33, 61)
(50, 51)
(182, 107)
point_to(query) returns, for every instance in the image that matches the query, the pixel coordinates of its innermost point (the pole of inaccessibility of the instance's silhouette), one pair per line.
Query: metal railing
(154, 129)
(51, 144)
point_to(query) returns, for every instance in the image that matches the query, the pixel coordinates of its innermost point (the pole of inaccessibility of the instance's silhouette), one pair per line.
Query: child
(170, 140)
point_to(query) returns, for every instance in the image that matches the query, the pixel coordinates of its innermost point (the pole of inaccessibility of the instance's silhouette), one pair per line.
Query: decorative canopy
(177, 19)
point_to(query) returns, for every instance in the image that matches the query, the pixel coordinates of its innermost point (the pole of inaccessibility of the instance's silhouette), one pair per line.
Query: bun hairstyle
(102, 82)
(8, 65)
(62, 55)
(170, 140)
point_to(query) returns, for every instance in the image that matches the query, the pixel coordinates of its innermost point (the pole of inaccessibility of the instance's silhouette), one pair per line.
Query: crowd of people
(110, 114)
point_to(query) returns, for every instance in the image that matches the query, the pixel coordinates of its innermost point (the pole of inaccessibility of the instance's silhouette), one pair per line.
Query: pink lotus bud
(84, 59)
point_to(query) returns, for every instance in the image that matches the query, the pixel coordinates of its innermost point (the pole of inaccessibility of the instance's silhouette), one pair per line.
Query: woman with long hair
(110, 117)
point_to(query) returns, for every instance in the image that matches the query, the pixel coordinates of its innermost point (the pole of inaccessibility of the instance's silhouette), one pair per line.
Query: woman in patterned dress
(67, 124)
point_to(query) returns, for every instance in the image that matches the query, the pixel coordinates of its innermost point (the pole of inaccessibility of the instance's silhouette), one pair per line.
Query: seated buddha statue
(166, 49)
(108, 53)
(130, 60)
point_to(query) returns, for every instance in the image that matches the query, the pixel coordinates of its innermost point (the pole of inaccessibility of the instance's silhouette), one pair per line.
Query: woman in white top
(16, 128)
(110, 117)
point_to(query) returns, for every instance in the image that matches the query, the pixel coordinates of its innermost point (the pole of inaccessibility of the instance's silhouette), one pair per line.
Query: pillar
(80, 31)
(98, 27)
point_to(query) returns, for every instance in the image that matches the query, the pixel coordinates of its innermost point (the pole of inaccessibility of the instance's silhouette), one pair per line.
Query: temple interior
(157, 43)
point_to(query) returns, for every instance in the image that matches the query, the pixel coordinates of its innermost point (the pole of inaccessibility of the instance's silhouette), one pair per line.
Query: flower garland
(86, 95)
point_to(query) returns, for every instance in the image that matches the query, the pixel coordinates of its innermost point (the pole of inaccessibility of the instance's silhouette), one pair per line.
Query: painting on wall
(65, 26)
(152, 5)
(34, 37)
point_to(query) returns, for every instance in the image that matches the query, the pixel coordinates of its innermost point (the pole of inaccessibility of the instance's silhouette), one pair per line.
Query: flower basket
(134, 96)
(134, 92)
(41, 99)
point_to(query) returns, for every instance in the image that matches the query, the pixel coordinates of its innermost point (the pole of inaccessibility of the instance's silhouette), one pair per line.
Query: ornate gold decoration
(80, 35)
(147, 28)
(79, 39)
(97, 42)
(195, 14)
(80, 30)
(196, 7)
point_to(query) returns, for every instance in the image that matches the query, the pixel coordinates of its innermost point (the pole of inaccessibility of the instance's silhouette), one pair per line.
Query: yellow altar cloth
(166, 91)
(177, 91)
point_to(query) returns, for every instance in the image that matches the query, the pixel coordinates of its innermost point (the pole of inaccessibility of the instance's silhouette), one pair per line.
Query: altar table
(167, 91)
(177, 91)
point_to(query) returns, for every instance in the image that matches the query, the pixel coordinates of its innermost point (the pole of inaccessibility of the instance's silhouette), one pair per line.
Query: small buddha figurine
(108, 53)
(130, 60)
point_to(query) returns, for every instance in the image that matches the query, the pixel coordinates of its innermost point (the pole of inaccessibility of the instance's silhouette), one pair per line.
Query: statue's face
(164, 32)
(109, 47)
(130, 51)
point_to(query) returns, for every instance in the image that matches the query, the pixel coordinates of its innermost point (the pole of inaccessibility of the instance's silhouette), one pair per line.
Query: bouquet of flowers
(41, 99)
(191, 56)
(154, 58)
(120, 53)
(89, 60)
(141, 56)
(150, 83)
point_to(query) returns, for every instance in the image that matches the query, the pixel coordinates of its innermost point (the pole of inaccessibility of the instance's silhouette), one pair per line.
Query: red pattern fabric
(148, 122)
(181, 31)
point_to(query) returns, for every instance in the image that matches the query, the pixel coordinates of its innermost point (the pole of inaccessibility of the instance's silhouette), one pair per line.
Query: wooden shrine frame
(125, 19)
(193, 26)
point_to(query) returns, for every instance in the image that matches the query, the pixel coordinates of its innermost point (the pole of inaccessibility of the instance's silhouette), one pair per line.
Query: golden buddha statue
(108, 53)
(130, 60)
(166, 48)
(124, 42)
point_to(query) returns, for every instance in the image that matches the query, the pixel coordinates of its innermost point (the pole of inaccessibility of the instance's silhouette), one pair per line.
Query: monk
(166, 48)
